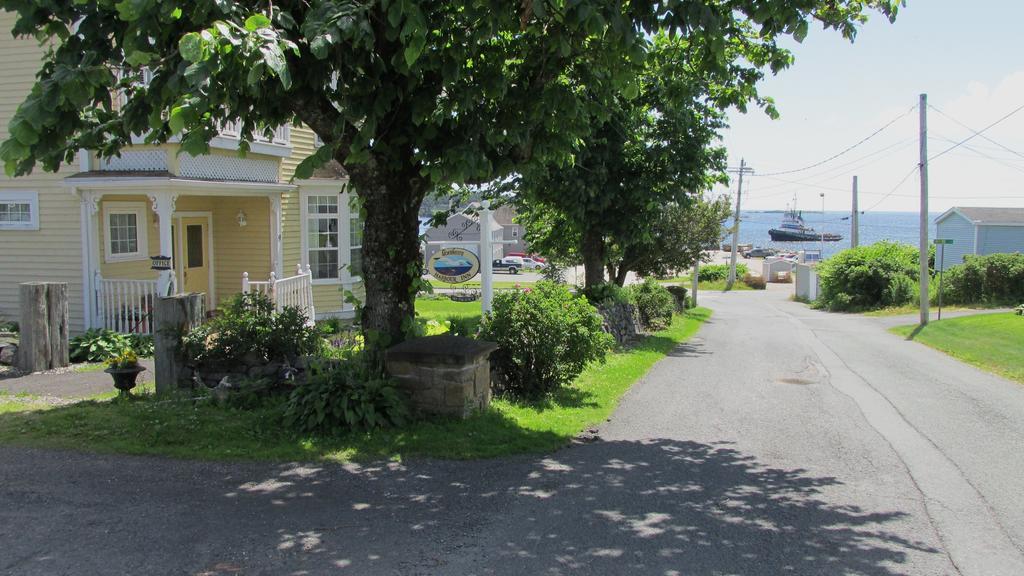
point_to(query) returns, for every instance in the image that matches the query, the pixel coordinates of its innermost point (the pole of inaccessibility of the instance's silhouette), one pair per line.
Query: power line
(976, 133)
(820, 177)
(894, 189)
(847, 149)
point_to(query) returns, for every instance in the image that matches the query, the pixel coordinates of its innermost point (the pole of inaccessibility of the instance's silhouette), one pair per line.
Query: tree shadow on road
(652, 507)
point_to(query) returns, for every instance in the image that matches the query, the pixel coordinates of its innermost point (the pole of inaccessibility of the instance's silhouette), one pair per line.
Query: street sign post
(941, 243)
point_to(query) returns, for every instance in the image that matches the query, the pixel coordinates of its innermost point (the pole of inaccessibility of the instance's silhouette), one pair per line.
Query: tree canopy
(641, 166)
(409, 96)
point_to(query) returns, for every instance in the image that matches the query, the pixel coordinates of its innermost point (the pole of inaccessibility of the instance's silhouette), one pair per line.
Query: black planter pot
(124, 378)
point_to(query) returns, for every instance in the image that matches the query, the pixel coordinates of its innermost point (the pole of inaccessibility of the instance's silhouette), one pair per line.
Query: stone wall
(622, 321)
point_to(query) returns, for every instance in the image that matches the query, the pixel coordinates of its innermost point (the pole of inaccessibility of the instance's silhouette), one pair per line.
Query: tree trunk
(593, 257)
(391, 256)
(620, 275)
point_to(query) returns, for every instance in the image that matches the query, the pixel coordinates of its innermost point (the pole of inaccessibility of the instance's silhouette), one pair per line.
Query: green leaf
(256, 21)
(176, 121)
(23, 131)
(319, 45)
(274, 59)
(139, 58)
(631, 91)
(414, 49)
(191, 47)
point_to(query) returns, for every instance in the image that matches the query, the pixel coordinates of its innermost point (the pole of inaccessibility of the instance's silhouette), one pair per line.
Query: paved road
(780, 441)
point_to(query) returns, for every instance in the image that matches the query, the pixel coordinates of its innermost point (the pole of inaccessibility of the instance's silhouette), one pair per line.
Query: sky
(969, 59)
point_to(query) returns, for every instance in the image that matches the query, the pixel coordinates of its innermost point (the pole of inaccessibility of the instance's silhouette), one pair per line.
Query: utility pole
(854, 222)
(743, 169)
(924, 209)
(822, 253)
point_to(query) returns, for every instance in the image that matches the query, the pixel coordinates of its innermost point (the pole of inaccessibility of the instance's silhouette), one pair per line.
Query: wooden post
(43, 344)
(173, 317)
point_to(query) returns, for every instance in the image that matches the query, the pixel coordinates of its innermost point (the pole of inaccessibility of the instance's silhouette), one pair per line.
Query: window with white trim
(323, 220)
(19, 210)
(124, 226)
(355, 243)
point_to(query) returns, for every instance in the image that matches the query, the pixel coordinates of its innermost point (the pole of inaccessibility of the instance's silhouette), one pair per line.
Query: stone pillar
(173, 317)
(43, 344)
(447, 375)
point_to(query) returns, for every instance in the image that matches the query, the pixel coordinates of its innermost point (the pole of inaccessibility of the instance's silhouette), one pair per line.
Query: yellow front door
(195, 255)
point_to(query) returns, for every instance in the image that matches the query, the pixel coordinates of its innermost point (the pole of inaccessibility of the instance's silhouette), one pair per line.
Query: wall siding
(961, 230)
(52, 253)
(1000, 239)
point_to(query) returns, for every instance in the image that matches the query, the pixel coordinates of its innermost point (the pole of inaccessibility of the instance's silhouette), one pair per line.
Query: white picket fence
(295, 291)
(125, 305)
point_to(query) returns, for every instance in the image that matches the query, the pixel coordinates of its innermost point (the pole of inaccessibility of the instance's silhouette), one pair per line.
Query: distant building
(463, 228)
(979, 231)
(512, 231)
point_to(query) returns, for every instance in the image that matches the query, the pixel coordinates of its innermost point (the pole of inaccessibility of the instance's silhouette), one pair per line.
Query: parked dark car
(759, 253)
(506, 265)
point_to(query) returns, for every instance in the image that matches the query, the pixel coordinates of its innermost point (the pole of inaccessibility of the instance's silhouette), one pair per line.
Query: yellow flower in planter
(126, 359)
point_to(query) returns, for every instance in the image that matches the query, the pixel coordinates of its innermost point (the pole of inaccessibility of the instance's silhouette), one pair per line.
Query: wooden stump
(43, 344)
(172, 318)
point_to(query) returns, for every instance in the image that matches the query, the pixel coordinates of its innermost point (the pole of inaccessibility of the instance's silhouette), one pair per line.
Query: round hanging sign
(453, 265)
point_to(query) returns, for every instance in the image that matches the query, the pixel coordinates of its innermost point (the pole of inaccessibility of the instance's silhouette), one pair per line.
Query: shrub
(553, 272)
(348, 395)
(718, 272)
(679, 294)
(545, 336)
(8, 326)
(1019, 310)
(246, 325)
(97, 345)
(995, 278)
(606, 293)
(654, 303)
(873, 276)
(466, 326)
(141, 344)
(755, 282)
(123, 360)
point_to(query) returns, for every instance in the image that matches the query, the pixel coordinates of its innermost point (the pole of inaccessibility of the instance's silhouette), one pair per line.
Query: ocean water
(874, 226)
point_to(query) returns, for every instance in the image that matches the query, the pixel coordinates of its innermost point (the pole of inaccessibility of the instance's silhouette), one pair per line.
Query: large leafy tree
(631, 182)
(409, 96)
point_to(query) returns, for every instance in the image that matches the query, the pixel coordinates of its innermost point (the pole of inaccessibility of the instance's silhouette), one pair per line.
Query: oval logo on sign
(453, 265)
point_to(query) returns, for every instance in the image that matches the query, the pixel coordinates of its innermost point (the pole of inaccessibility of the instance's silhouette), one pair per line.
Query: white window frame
(304, 229)
(21, 197)
(142, 231)
(353, 218)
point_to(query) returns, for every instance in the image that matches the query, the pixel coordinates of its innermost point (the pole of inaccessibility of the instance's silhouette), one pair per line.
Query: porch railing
(125, 305)
(295, 291)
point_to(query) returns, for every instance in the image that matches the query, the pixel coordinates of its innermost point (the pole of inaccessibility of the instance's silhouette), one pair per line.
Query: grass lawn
(992, 342)
(914, 309)
(197, 429)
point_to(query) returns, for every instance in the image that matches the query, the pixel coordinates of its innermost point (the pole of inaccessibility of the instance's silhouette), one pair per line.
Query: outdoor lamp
(242, 222)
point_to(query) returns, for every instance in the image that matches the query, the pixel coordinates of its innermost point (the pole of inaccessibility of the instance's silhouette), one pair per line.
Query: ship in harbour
(794, 229)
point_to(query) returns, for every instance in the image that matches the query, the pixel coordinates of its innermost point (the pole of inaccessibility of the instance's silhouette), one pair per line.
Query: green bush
(344, 396)
(466, 326)
(654, 303)
(718, 272)
(866, 277)
(995, 279)
(97, 345)
(546, 337)
(247, 325)
(606, 293)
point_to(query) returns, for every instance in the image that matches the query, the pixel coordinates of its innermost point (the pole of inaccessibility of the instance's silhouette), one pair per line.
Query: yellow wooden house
(230, 224)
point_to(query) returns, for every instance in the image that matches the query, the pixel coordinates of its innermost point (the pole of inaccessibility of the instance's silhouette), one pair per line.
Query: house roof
(987, 216)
